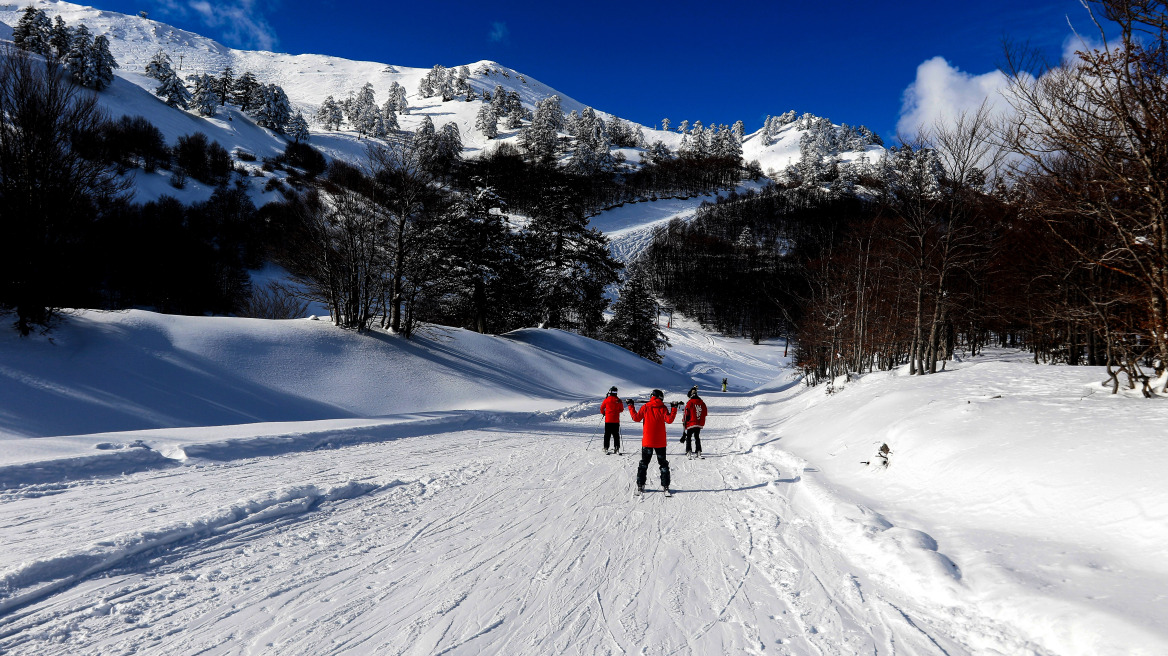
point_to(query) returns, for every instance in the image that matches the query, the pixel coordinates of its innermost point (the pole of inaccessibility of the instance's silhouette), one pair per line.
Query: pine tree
(389, 116)
(205, 97)
(739, 130)
(665, 125)
(592, 144)
(541, 137)
(329, 114)
(101, 64)
(60, 38)
(270, 107)
(397, 93)
(159, 67)
(482, 259)
(33, 32)
(225, 83)
(365, 112)
(172, 90)
(298, 128)
(462, 80)
(571, 263)
(486, 122)
(78, 58)
(244, 90)
(634, 318)
(499, 101)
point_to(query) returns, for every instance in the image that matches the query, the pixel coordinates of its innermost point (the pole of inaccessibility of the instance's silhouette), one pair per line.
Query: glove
(681, 439)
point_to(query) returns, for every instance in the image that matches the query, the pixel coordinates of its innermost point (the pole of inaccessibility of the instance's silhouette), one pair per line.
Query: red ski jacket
(655, 416)
(611, 407)
(695, 413)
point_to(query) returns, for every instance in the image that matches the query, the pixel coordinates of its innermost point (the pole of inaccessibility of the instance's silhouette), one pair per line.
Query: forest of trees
(1046, 231)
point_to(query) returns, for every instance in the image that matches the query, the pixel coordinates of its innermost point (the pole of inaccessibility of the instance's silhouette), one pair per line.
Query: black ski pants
(612, 428)
(694, 433)
(647, 455)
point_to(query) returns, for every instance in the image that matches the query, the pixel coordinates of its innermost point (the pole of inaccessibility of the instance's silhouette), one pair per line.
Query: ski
(668, 493)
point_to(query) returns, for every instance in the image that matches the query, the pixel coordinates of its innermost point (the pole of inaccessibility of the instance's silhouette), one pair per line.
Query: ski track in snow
(518, 539)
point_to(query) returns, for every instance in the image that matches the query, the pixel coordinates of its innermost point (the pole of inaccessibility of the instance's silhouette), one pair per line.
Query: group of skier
(653, 415)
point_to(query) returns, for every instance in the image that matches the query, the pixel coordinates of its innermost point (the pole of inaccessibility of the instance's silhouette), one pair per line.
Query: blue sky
(714, 62)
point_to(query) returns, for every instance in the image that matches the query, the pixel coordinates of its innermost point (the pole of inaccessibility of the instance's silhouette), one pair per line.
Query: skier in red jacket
(693, 420)
(611, 407)
(654, 416)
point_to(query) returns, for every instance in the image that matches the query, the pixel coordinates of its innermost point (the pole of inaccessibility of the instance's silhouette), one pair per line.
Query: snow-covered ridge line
(32, 580)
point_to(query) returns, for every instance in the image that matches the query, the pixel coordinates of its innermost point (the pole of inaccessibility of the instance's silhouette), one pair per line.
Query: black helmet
(659, 394)
(693, 392)
(612, 390)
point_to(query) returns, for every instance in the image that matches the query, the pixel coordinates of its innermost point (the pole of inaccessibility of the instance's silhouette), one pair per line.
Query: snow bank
(1027, 489)
(103, 378)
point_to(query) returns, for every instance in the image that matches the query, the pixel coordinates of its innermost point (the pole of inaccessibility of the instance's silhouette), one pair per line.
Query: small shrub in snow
(273, 301)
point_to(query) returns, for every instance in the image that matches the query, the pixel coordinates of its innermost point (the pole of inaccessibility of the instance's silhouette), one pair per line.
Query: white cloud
(499, 32)
(241, 23)
(942, 91)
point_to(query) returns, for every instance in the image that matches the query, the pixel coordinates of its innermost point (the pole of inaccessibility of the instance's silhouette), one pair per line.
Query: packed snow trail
(519, 539)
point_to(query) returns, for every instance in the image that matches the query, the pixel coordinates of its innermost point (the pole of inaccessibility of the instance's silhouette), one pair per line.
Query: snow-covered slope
(120, 371)
(457, 501)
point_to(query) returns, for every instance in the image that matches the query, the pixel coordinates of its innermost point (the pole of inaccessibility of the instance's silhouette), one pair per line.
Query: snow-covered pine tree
(397, 94)
(205, 95)
(270, 107)
(486, 122)
(659, 152)
(426, 142)
(298, 128)
(329, 115)
(101, 64)
(33, 32)
(471, 96)
(592, 144)
(159, 66)
(225, 83)
(244, 90)
(446, 86)
(172, 90)
(634, 318)
(515, 110)
(380, 131)
(389, 116)
(78, 57)
(739, 130)
(540, 138)
(665, 125)
(462, 79)
(499, 101)
(683, 127)
(449, 144)
(365, 112)
(60, 38)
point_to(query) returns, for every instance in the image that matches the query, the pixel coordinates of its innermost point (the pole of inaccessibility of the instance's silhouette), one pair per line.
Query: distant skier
(693, 420)
(724, 381)
(611, 407)
(654, 416)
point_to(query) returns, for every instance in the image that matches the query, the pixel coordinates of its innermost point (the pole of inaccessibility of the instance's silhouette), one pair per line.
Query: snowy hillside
(449, 495)
(307, 79)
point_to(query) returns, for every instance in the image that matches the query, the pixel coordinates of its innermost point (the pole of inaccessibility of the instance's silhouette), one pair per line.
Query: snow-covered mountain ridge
(309, 79)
